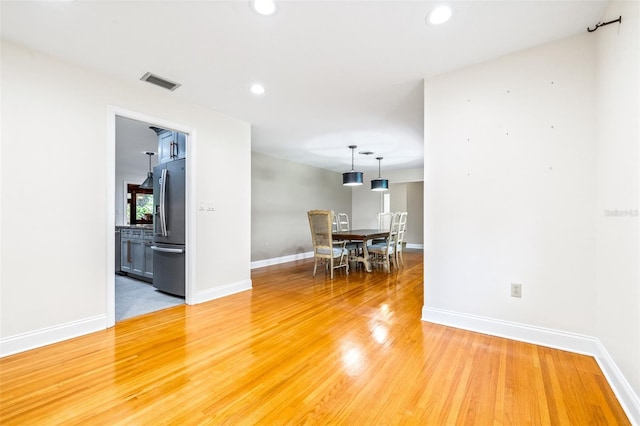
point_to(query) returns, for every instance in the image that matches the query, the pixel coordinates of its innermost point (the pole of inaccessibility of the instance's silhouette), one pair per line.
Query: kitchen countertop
(145, 226)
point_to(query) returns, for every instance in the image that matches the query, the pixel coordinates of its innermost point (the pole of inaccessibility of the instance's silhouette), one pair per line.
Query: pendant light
(352, 178)
(379, 184)
(148, 182)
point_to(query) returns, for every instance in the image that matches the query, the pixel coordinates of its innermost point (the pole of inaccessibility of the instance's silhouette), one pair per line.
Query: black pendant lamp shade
(379, 184)
(148, 182)
(352, 178)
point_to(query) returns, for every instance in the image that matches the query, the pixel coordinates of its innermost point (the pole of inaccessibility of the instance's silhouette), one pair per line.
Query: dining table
(362, 235)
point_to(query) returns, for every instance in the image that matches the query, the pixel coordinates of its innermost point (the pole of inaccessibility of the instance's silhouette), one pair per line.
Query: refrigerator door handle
(163, 212)
(167, 250)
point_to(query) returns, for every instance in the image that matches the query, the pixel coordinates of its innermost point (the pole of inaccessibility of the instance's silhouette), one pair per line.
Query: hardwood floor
(301, 350)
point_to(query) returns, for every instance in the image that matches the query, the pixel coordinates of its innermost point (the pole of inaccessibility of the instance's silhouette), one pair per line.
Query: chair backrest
(394, 230)
(343, 222)
(334, 222)
(402, 226)
(320, 225)
(384, 220)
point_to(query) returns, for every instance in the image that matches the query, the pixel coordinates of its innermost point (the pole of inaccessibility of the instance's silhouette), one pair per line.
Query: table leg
(365, 256)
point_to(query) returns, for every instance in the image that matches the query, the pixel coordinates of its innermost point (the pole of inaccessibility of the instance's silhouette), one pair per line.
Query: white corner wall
(618, 192)
(532, 175)
(509, 178)
(56, 227)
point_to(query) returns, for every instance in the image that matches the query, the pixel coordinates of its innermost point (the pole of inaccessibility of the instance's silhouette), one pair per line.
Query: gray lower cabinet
(136, 254)
(148, 260)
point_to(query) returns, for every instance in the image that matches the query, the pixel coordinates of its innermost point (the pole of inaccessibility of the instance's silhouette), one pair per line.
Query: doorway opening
(134, 212)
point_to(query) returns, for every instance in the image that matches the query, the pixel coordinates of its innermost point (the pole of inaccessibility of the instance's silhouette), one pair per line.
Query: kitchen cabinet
(136, 254)
(171, 145)
(147, 271)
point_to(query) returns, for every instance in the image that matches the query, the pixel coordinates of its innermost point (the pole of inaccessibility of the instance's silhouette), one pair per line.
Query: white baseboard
(226, 290)
(278, 260)
(571, 342)
(46, 336)
(300, 256)
(628, 399)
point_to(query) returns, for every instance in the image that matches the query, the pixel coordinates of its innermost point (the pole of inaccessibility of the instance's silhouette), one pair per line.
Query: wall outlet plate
(516, 290)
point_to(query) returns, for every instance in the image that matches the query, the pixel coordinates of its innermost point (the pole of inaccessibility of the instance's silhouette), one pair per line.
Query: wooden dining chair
(384, 220)
(385, 252)
(343, 225)
(332, 253)
(402, 231)
(343, 222)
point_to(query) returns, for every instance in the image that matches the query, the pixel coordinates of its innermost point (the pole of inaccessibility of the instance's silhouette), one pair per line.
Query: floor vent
(159, 81)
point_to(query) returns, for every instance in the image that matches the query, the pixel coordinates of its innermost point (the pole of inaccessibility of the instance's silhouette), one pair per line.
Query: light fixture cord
(352, 153)
(379, 168)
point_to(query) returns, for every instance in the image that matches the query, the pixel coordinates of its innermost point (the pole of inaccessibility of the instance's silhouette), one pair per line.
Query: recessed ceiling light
(439, 15)
(264, 7)
(257, 89)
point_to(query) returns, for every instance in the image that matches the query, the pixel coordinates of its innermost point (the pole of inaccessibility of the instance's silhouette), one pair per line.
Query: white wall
(509, 179)
(55, 154)
(532, 175)
(618, 188)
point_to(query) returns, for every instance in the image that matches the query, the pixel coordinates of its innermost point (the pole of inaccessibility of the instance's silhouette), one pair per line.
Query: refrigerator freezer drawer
(169, 269)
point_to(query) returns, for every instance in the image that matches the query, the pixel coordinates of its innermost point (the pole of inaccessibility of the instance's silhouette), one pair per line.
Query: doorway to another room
(146, 207)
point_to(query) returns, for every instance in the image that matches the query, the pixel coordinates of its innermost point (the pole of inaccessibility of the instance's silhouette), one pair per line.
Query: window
(139, 205)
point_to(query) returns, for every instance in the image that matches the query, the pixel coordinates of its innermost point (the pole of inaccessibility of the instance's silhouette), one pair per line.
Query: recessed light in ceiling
(257, 89)
(439, 15)
(264, 7)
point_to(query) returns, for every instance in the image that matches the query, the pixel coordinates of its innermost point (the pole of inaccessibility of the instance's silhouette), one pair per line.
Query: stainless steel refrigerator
(169, 227)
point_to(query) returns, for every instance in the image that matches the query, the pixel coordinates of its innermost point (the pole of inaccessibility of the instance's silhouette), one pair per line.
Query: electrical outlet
(516, 290)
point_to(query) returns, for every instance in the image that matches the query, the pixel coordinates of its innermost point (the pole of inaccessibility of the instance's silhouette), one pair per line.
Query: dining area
(338, 246)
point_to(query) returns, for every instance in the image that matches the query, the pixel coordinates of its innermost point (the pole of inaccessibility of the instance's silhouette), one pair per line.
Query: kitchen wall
(532, 177)
(132, 139)
(56, 200)
(282, 192)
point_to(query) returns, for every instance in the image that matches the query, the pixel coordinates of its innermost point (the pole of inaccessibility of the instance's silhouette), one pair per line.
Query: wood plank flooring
(303, 350)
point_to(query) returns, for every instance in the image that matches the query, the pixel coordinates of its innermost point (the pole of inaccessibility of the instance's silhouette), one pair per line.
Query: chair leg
(331, 267)
(315, 265)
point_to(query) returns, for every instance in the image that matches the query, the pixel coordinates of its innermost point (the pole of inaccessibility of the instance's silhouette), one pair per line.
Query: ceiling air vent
(159, 81)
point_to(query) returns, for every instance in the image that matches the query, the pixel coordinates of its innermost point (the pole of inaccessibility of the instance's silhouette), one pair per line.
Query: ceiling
(336, 73)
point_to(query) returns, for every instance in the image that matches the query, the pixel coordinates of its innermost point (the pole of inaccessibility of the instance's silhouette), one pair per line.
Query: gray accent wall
(415, 218)
(281, 194)
(404, 196)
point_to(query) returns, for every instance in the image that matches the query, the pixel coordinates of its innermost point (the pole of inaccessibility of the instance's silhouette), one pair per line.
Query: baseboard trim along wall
(300, 256)
(226, 290)
(278, 260)
(46, 336)
(628, 399)
(571, 342)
